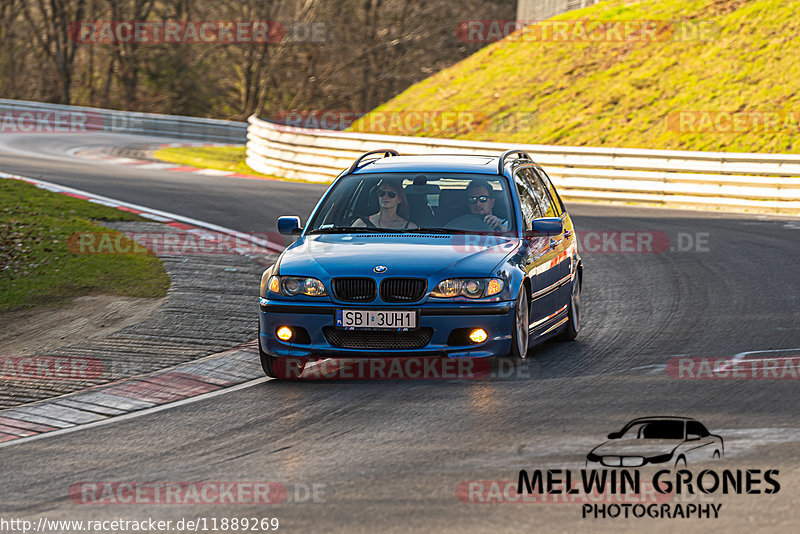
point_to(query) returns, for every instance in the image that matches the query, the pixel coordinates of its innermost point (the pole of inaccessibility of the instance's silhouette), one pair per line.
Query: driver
(480, 198)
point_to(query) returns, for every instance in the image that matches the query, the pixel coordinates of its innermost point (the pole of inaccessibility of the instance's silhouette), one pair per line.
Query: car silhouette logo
(676, 441)
(380, 269)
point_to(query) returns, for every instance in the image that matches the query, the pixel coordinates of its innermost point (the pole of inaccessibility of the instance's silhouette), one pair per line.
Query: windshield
(417, 202)
(655, 430)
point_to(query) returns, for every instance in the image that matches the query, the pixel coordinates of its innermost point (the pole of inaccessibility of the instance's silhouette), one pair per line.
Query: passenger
(393, 211)
(480, 197)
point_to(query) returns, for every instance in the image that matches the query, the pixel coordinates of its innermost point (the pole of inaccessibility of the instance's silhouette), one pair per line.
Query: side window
(527, 202)
(342, 207)
(553, 193)
(540, 193)
(694, 427)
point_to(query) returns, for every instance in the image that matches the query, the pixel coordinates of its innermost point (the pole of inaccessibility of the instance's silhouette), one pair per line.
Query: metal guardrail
(24, 116)
(530, 10)
(716, 180)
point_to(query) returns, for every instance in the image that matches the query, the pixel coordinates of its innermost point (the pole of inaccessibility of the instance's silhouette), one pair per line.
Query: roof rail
(502, 161)
(385, 151)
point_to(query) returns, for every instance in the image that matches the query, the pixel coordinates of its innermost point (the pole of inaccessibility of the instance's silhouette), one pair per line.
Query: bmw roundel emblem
(380, 269)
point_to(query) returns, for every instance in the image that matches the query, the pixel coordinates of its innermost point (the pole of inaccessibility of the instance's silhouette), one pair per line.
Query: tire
(715, 456)
(278, 369)
(574, 312)
(520, 332)
(267, 361)
(680, 463)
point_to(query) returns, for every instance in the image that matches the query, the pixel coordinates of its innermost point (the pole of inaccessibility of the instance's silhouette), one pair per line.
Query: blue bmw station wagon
(437, 255)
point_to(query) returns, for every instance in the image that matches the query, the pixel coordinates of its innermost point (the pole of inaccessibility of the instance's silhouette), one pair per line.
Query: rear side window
(559, 206)
(542, 197)
(694, 427)
(527, 201)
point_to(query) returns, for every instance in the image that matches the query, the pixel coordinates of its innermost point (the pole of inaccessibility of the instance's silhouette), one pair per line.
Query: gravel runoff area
(210, 307)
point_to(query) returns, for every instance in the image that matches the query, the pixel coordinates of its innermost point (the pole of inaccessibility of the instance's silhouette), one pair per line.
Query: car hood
(637, 447)
(420, 255)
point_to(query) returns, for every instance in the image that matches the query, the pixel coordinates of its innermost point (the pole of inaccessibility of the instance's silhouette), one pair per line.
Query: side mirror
(692, 437)
(614, 435)
(545, 226)
(289, 225)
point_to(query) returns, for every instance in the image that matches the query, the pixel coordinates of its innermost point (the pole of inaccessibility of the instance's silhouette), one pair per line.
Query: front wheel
(279, 368)
(267, 361)
(574, 313)
(519, 337)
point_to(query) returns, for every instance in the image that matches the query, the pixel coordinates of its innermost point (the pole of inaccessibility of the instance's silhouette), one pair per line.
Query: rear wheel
(574, 312)
(519, 337)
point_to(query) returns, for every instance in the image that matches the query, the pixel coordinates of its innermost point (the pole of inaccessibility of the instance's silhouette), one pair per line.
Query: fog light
(478, 335)
(284, 333)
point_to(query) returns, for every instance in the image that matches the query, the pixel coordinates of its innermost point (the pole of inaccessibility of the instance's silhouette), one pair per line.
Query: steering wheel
(470, 222)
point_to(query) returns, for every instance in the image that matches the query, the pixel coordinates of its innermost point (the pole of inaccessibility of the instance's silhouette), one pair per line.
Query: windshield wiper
(459, 231)
(352, 230)
(436, 231)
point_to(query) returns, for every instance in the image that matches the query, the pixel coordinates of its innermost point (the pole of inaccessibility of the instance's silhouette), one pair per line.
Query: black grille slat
(403, 289)
(354, 289)
(377, 339)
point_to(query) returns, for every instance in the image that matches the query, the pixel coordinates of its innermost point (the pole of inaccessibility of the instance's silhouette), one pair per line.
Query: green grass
(37, 268)
(622, 93)
(223, 158)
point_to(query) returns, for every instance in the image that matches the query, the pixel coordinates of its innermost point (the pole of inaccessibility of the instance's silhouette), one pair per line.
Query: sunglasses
(474, 200)
(390, 194)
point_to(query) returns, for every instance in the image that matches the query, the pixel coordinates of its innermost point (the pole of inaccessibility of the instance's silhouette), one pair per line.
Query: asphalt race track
(389, 455)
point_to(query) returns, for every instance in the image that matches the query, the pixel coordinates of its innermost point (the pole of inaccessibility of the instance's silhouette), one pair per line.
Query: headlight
(291, 286)
(660, 459)
(473, 288)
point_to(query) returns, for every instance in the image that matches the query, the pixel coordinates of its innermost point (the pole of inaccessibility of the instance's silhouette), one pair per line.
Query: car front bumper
(442, 318)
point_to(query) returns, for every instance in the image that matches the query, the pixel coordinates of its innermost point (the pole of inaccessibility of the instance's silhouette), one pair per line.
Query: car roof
(661, 418)
(431, 163)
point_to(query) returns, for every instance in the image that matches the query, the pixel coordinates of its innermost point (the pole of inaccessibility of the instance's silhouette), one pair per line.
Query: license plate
(377, 319)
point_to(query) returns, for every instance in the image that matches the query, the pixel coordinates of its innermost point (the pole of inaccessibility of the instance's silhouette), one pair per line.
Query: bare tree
(126, 52)
(51, 23)
(370, 51)
(13, 52)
